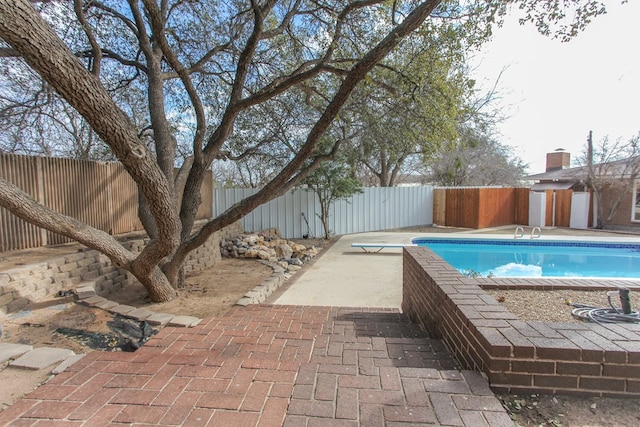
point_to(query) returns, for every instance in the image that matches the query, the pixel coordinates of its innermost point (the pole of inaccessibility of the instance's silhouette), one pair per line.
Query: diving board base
(368, 247)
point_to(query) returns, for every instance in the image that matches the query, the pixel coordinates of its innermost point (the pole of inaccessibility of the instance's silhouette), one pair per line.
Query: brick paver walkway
(269, 366)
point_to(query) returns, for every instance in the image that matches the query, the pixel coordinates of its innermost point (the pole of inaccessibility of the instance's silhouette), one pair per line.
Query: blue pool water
(521, 258)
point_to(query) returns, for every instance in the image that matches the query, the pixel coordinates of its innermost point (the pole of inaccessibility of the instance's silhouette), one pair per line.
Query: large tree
(413, 104)
(476, 159)
(203, 67)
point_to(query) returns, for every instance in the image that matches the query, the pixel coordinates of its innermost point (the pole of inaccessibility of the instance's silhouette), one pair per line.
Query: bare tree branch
(95, 48)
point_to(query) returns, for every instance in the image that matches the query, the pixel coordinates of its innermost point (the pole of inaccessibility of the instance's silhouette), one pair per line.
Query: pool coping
(475, 235)
(517, 356)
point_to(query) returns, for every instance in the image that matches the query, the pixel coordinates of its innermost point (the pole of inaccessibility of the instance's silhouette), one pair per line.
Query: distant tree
(410, 106)
(43, 124)
(612, 169)
(476, 160)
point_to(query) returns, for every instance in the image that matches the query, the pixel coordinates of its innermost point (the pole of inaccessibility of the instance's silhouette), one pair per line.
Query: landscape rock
(284, 251)
(251, 254)
(298, 248)
(251, 240)
(267, 245)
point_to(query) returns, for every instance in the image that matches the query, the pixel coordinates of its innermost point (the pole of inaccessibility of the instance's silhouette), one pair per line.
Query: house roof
(568, 175)
(615, 169)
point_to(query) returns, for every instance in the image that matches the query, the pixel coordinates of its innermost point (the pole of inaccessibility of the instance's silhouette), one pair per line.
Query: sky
(554, 93)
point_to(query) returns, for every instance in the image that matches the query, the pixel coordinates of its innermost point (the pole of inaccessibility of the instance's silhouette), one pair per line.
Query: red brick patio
(269, 365)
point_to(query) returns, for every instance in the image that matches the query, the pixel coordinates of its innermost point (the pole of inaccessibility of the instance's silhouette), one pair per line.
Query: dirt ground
(556, 411)
(207, 294)
(213, 292)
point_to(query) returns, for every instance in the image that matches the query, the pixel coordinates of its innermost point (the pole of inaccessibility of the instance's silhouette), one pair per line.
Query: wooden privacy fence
(481, 207)
(558, 211)
(101, 194)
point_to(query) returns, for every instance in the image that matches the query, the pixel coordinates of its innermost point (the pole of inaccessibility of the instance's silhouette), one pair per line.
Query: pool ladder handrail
(536, 233)
(519, 235)
(533, 233)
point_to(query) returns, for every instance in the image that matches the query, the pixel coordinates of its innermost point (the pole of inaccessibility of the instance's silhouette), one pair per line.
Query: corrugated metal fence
(100, 194)
(374, 209)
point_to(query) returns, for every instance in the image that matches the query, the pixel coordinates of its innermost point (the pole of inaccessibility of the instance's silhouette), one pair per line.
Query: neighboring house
(620, 204)
(558, 175)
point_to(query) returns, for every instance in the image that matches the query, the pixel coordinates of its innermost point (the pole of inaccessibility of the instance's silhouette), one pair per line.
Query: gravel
(551, 306)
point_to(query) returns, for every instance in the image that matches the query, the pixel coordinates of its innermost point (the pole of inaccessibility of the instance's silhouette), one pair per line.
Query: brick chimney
(559, 159)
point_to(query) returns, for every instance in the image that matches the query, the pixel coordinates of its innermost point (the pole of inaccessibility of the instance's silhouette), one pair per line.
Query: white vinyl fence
(296, 213)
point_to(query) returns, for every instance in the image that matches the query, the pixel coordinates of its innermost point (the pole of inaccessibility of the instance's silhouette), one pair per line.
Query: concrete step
(26, 357)
(40, 358)
(10, 350)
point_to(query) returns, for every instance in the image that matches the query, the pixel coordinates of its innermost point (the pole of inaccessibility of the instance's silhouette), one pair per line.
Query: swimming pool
(537, 258)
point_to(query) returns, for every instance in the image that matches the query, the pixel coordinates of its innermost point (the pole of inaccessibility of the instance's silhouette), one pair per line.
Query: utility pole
(590, 179)
(590, 151)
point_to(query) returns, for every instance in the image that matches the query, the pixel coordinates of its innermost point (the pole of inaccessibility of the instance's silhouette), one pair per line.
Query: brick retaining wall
(518, 356)
(32, 282)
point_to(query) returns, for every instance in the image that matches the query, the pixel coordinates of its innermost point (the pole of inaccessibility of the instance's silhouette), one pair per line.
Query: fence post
(111, 180)
(39, 196)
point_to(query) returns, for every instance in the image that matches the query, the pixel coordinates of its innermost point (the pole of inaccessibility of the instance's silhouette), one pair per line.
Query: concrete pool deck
(349, 277)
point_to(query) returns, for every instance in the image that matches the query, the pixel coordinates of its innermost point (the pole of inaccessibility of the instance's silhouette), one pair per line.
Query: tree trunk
(324, 215)
(157, 285)
(191, 198)
(145, 216)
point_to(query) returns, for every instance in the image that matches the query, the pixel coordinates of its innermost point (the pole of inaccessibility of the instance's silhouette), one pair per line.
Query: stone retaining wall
(517, 356)
(32, 282)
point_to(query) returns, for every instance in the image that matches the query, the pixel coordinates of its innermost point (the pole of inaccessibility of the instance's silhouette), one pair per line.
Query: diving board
(380, 246)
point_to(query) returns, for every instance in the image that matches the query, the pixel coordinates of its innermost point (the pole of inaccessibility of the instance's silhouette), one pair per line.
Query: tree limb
(25, 207)
(7, 52)
(158, 29)
(95, 48)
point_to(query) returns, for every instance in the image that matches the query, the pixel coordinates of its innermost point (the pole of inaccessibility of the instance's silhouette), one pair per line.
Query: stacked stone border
(88, 268)
(261, 292)
(87, 296)
(517, 356)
